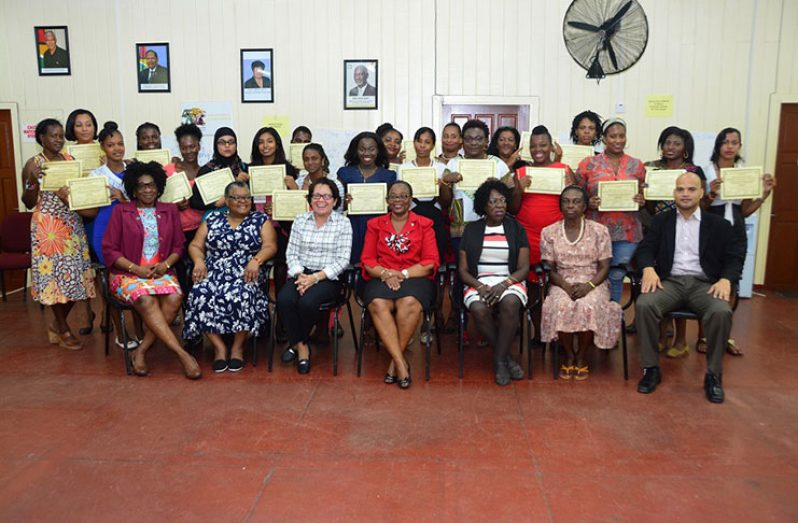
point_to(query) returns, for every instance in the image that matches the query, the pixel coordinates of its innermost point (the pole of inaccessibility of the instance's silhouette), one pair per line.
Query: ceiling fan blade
(613, 58)
(612, 22)
(595, 72)
(584, 26)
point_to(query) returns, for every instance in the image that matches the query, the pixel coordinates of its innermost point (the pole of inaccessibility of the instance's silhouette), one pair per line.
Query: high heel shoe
(303, 365)
(389, 378)
(405, 383)
(85, 331)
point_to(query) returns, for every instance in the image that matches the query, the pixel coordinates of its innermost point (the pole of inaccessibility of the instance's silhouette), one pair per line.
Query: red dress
(537, 212)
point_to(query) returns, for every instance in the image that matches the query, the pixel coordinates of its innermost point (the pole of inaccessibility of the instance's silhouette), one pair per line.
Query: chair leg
(623, 346)
(438, 331)
(273, 338)
(107, 334)
(361, 348)
(427, 354)
(25, 285)
(352, 325)
(461, 340)
(3, 285)
(335, 341)
(528, 344)
(555, 358)
(125, 352)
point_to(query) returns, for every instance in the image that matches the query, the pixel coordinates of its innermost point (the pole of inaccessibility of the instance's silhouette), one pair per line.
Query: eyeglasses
(325, 197)
(225, 142)
(497, 201)
(239, 198)
(398, 197)
(146, 185)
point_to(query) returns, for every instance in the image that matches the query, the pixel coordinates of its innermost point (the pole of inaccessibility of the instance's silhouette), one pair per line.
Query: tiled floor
(80, 441)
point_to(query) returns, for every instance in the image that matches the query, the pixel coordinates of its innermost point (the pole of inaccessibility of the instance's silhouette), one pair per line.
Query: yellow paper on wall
(281, 124)
(659, 105)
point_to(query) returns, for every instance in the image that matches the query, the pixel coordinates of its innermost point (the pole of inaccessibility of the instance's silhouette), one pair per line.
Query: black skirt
(422, 289)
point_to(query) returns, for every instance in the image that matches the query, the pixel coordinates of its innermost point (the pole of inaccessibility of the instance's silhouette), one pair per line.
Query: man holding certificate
(690, 259)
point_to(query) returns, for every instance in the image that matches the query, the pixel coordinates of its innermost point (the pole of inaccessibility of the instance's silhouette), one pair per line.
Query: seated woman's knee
(409, 304)
(509, 305)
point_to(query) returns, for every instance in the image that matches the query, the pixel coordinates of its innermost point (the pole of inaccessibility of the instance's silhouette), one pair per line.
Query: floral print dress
(60, 264)
(223, 303)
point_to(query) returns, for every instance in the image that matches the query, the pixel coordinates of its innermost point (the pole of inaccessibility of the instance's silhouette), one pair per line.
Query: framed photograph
(152, 66)
(257, 76)
(52, 50)
(361, 86)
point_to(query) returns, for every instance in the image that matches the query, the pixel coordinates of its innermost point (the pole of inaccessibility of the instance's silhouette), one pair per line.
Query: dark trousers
(299, 314)
(682, 292)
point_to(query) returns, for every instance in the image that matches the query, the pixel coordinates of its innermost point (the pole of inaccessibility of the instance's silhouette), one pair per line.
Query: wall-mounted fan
(605, 36)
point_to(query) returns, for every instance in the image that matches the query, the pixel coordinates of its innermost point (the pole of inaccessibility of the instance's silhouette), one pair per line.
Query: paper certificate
(545, 180)
(286, 205)
(474, 173)
(295, 150)
(526, 154)
(423, 180)
(572, 155)
(266, 179)
(618, 195)
(56, 174)
(660, 184)
(410, 151)
(88, 193)
(211, 186)
(162, 156)
(88, 153)
(741, 183)
(368, 198)
(177, 188)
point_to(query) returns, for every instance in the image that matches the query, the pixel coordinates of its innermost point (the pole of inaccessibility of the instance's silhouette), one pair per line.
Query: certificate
(545, 180)
(286, 205)
(295, 151)
(211, 186)
(88, 193)
(88, 153)
(368, 198)
(475, 172)
(410, 150)
(265, 179)
(526, 154)
(660, 184)
(741, 183)
(572, 155)
(177, 188)
(56, 174)
(618, 195)
(162, 156)
(423, 180)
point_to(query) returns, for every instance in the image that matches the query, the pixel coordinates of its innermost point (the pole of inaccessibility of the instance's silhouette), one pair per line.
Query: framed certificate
(88, 193)
(177, 188)
(410, 151)
(572, 155)
(211, 186)
(618, 195)
(474, 173)
(423, 180)
(266, 179)
(660, 184)
(286, 205)
(57, 174)
(295, 150)
(545, 180)
(526, 154)
(88, 153)
(741, 183)
(162, 156)
(368, 198)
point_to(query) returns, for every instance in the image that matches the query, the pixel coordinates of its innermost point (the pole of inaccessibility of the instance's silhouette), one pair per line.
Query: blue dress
(352, 174)
(223, 303)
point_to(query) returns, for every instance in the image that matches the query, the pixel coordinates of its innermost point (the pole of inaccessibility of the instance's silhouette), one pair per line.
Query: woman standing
(586, 128)
(317, 167)
(225, 155)
(506, 144)
(61, 272)
(451, 142)
(148, 136)
(392, 139)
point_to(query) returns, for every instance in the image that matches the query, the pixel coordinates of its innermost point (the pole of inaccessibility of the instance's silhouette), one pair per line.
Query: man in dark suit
(154, 73)
(54, 57)
(689, 259)
(363, 88)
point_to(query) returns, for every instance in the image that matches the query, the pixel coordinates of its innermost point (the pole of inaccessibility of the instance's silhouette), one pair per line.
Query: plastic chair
(15, 249)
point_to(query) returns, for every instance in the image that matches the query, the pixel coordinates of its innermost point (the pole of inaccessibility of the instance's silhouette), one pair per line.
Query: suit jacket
(720, 251)
(250, 84)
(369, 91)
(159, 76)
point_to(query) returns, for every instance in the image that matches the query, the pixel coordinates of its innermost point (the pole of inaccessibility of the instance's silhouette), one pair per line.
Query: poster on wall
(360, 84)
(257, 76)
(208, 116)
(52, 50)
(152, 65)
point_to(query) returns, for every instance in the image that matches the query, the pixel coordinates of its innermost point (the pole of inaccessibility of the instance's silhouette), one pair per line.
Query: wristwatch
(405, 274)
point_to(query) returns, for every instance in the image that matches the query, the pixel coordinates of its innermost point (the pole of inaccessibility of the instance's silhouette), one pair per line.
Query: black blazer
(720, 251)
(474, 236)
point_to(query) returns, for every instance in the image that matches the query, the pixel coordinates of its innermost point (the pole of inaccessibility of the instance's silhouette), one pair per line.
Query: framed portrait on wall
(52, 50)
(257, 76)
(361, 88)
(152, 67)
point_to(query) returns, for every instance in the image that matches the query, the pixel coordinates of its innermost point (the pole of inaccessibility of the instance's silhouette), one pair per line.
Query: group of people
(690, 249)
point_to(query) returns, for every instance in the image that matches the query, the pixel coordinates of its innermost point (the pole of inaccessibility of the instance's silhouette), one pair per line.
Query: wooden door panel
(508, 120)
(489, 119)
(8, 185)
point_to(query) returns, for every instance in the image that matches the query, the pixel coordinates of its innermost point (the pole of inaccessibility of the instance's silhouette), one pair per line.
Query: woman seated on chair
(228, 296)
(493, 264)
(578, 251)
(142, 241)
(318, 252)
(399, 261)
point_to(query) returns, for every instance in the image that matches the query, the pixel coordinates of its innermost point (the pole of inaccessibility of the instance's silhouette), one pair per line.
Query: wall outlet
(620, 108)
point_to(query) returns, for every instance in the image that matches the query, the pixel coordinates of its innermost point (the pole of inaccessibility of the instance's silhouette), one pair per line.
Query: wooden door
(8, 177)
(781, 271)
(494, 116)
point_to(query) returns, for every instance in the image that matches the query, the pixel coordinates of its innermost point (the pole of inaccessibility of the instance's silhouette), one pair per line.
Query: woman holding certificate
(366, 161)
(148, 136)
(399, 262)
(189, 138)
(61, 271)
(317, 167)
(494, 262)
(615, 205)
(228, 295)
(225, 156)
(451, 142)
(142, 243)
(506, 144)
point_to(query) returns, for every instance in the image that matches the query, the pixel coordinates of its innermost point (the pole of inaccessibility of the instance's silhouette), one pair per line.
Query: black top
(473, 239)
(59, 59)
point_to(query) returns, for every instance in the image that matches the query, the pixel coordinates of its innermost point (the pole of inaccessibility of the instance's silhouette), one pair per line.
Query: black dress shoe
(235, 365)
(303, 365)
(651, 378)
(713, 388)
(288, 355)
(219, 365)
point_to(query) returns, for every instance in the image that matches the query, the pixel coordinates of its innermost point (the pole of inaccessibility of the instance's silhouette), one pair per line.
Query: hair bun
(110, 127)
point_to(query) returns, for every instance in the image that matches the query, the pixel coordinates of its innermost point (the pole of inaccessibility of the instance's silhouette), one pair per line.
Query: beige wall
(722, 60)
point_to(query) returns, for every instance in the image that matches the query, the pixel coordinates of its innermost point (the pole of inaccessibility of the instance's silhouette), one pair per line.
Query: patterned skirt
(129, 288)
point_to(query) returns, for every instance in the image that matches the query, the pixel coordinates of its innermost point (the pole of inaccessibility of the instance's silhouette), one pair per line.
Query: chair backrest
(15, 233)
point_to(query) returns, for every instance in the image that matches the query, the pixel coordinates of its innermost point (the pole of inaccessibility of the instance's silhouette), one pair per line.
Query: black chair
(343, 299)
(120, 307)
(535, 294)
(15, 249)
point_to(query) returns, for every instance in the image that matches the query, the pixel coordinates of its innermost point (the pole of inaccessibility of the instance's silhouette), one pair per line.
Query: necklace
(581, 232)
(364, 174)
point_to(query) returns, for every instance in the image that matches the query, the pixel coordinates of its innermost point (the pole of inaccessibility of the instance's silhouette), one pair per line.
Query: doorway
(521, 112)
(9, 201)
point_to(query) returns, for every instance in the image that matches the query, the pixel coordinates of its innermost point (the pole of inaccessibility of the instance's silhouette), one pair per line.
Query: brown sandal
(566, 372)
(701, 346)
(732, 348)
(582, 373)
